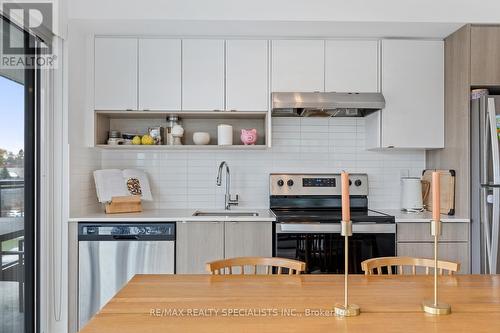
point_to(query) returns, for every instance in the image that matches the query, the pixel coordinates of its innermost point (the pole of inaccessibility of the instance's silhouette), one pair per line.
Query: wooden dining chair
(377, 265)
(226, 266)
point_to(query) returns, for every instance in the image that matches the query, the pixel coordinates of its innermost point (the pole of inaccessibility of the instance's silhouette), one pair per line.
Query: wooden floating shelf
(182, 147)
(117, 114)
(135, 121)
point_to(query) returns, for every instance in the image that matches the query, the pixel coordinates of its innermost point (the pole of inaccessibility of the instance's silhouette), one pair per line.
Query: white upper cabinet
(247, 75)
(351, 66)
(115, 74)
(413, 87)
(160, 74)
(202, 74)
(298, 65)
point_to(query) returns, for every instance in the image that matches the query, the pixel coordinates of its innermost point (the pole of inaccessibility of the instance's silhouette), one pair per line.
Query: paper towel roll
(224, 135)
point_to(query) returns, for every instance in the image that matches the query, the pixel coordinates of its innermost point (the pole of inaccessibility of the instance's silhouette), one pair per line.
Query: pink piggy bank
(248, 136)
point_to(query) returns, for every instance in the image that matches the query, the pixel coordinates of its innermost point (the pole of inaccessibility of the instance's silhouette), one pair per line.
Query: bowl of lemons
(138, 139)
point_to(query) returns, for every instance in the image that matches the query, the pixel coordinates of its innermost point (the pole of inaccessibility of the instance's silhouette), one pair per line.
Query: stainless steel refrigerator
(485, 182)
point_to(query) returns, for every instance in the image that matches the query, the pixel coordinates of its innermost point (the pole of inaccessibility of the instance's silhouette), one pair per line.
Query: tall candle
(346, 209)
(436, 196)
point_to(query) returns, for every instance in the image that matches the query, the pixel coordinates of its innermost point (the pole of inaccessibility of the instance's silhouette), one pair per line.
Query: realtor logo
(28, 38)
(35, 17)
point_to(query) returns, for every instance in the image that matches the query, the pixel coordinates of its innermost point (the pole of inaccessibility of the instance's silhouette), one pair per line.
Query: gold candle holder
(434, 307)
(346, 309)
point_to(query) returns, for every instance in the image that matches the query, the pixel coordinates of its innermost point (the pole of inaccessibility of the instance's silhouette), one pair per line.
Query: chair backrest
(226, 266)
(375, 265)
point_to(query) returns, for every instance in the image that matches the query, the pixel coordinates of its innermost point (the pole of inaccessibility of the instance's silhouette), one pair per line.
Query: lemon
(147, 140)
(136, 140)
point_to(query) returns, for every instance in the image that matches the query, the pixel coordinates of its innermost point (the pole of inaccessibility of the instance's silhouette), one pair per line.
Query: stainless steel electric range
(308, 213)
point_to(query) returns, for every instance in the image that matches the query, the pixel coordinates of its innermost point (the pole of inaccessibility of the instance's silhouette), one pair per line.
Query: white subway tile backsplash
(186, 179)
(83, 161)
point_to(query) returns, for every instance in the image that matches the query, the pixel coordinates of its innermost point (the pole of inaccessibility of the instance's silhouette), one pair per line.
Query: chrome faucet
(228, 201)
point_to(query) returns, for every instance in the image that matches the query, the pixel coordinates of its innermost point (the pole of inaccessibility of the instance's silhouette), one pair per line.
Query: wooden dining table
(298, 303)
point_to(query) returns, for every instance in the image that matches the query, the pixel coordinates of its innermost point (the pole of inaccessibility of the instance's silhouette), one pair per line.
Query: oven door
(321, 246)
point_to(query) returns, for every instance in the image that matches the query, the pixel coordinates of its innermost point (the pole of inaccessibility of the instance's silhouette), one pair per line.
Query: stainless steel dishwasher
(110, 254)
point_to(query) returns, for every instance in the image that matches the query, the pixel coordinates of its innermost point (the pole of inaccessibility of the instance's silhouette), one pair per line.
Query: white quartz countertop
(174, 215)
(426, 216)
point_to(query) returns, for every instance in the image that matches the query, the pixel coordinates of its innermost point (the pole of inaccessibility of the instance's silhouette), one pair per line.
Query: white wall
(83, 160)
(187, 179)
(192, 184)
(290, 10)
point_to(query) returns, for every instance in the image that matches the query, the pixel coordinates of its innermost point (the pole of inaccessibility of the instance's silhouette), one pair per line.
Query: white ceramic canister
(224, 135)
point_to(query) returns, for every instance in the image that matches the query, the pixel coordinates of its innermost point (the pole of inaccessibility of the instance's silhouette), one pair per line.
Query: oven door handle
(373, 228)
(334, 228)
(294, 228)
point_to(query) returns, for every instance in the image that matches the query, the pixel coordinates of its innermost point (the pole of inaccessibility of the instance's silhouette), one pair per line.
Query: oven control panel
(316, 184)
(319, 182)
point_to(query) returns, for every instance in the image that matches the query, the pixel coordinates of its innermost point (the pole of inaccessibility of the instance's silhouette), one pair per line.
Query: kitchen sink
(224, 213)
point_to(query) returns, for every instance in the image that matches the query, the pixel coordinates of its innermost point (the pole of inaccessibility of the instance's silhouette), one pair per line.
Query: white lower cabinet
(457, 252)
(245, 239)
(414, 240)
(248, 239)
(196, 244)
(200, 242)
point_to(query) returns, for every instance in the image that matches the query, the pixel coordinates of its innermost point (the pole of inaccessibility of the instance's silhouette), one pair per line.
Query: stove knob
(350, 182)
(281, 182)
(289, 182)
(358, 182)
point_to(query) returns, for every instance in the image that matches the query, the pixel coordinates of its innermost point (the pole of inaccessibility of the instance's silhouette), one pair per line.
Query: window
(18, 177)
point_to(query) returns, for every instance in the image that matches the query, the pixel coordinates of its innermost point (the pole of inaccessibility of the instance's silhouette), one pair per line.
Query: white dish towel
(113, 183)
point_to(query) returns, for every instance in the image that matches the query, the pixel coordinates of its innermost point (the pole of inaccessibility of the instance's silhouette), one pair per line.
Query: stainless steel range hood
(325, 104)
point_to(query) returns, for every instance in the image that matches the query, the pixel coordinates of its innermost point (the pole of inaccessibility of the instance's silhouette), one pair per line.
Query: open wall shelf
(137, 122)
(182, 147)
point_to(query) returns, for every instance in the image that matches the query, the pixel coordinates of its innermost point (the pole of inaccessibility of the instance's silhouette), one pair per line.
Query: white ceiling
(313, 18)
(442, 11)
(269, 29)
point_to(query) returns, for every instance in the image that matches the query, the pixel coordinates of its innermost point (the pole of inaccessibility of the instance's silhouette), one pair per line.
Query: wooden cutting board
(447, 190)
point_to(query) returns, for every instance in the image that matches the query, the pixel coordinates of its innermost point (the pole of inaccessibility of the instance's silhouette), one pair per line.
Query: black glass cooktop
(329, 216)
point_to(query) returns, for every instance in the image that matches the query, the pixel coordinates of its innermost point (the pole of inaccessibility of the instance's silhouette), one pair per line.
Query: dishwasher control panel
(126, 231)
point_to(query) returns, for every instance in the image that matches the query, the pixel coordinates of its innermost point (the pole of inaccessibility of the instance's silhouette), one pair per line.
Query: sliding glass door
(18, 179)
